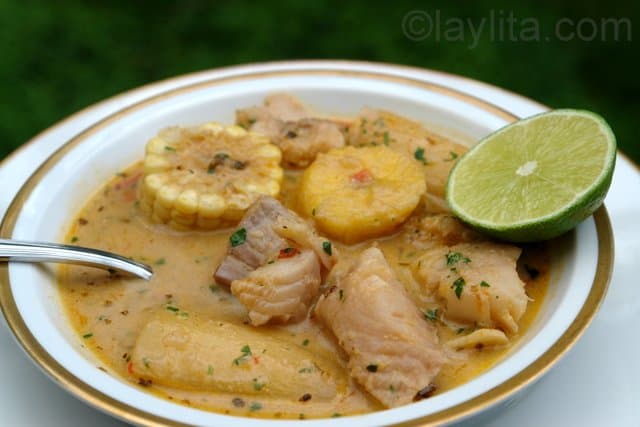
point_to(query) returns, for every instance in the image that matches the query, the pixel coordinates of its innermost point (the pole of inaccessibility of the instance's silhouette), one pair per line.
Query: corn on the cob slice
(357, 193)
(206, 176)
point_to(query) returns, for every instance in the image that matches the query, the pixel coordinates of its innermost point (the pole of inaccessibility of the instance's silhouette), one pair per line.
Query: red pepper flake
(288, 253)
(130, 368)
(362, 177)
(256, 360)
(128, 182)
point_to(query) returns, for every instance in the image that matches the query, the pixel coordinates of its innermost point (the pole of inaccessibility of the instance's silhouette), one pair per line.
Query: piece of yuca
(358, 193)
(207, 176)
(434, 153)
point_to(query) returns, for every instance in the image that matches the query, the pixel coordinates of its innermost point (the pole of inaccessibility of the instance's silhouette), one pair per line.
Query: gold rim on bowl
(130, 414)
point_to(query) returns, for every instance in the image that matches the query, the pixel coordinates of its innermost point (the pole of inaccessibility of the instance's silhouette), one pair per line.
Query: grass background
(58, 57)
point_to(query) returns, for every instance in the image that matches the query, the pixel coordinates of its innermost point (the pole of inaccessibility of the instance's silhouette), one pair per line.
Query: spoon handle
(13, 250)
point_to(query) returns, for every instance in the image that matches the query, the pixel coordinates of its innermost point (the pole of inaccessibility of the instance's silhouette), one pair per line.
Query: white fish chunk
(300, 132)
(280, 291)
(276, 271)
(393, 351)
(437, 230)
(270, 227)
(477, 282)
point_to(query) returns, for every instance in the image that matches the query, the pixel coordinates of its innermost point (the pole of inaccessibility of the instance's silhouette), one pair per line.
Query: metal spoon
(13, 250)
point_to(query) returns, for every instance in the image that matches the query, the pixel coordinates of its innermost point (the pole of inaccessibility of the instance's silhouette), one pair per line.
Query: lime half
(536, 178)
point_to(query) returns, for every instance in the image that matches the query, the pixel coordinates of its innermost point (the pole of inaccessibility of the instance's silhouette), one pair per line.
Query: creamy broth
(108, 311)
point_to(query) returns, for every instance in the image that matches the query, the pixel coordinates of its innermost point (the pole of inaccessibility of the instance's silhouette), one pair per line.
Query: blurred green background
(58, 57)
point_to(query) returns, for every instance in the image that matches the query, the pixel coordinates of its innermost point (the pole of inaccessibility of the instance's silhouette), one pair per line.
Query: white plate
(17, 168)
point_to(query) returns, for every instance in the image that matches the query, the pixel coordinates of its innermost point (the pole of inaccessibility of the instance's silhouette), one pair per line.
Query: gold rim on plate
(130, 414)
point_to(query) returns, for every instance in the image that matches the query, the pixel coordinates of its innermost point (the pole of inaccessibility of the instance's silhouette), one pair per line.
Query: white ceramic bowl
(581, 260)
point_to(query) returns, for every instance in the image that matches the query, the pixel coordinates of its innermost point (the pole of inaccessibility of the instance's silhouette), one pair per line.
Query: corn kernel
(167, 195)
(156, 146)
(236, 131)
(211, 206)
(187, 202)
(212, 127)
(154, 163)
(268, 151)
(272, 188)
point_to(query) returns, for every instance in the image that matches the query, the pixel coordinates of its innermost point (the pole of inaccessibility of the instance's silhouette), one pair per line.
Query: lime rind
(576, 207)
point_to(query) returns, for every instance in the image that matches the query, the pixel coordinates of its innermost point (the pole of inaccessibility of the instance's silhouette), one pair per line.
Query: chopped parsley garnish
(246, 354)
(326, 247)
(145, 362)
(168, 148)
(454, 257)
(74, 239)
(460, 330)
(431, 315)
(308, 369)
(214, 288)
(341, 295)
(372, 368)
(238, 237)
(221, 157)
(160, 261)
(458, 285)
(172, 308)
(210, 370)
(257, 386)
(484, 284)
(313, 212)
(336, 415)
(385, 141)
(452, 155)
(255, 406)
(419, 155)
(87, 335)
(305, 342)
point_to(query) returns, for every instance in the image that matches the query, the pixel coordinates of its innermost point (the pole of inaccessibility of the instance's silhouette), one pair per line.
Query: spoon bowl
(14, 250)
